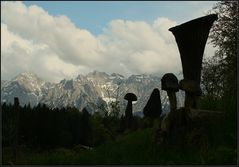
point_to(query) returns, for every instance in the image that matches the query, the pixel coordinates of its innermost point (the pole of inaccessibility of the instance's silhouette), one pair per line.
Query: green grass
(134, 148)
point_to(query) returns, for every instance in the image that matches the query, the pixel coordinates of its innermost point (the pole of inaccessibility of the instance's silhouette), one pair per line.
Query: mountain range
(91, 91)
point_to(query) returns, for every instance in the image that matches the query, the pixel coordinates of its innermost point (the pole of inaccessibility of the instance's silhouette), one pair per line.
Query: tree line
(46, 128)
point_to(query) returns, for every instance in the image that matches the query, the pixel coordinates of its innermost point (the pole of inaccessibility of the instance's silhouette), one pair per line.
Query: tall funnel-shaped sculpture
(191, 38)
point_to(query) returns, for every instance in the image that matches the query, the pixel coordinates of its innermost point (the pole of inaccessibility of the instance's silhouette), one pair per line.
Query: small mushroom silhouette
(130, 97)
(169, 83)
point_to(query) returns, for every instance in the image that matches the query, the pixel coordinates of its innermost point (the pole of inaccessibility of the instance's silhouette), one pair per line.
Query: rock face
(27, 86)
(91, 91)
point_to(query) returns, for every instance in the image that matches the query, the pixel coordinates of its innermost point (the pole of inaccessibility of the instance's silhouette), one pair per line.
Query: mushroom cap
(130, 97)
(190, 86)
(169, 82)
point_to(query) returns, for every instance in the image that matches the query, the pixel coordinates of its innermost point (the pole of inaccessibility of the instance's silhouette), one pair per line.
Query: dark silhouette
(45, 128)
(153, 107)
(128, 112)
(191, 39)
(16, 117)
(130, 97)
(169, 83)
(86, 129)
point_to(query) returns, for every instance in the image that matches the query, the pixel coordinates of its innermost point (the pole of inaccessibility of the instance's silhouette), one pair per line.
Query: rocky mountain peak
(116, 75)
(29, 81)
(98, 74)
(27, 75)
(91, 90)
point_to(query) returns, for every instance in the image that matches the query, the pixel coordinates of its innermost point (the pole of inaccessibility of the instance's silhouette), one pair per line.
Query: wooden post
(17, 114)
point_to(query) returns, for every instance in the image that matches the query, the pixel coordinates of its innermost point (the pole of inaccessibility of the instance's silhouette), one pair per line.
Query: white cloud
(59, 33)
(142, 47)
(19, 55)
(54, 48)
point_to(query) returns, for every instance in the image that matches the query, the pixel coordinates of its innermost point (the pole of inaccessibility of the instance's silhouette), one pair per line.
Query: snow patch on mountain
(92, 91)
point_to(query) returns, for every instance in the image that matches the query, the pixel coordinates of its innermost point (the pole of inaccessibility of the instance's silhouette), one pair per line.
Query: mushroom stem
(191, 100)
(128, 111)
(172, 100)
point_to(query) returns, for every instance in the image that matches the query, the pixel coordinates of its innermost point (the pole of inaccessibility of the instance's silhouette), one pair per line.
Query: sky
(58, 40)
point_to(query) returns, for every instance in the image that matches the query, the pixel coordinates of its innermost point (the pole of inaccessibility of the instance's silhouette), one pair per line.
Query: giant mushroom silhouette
(191, 38)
